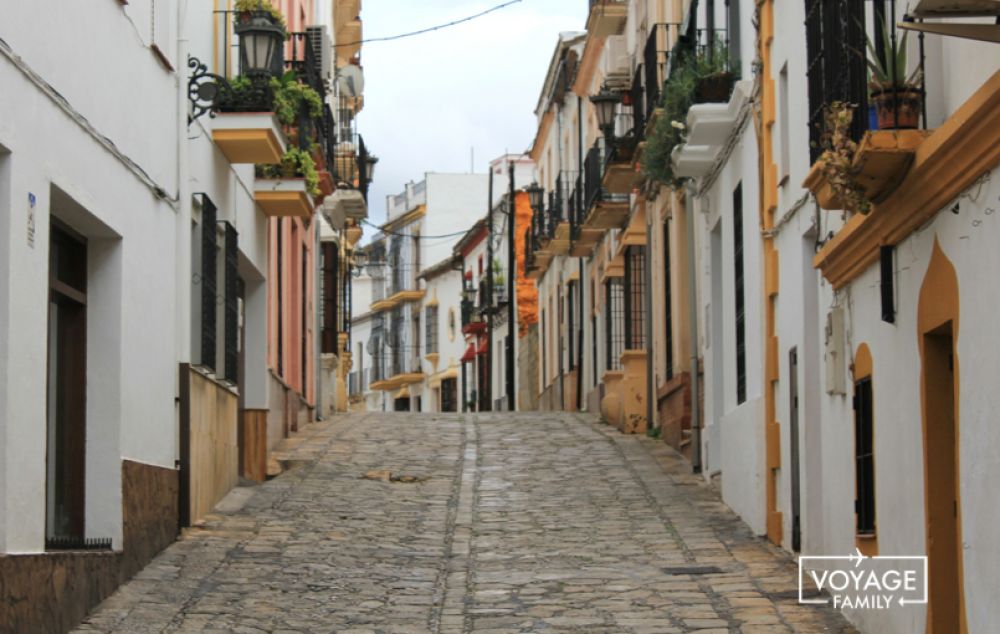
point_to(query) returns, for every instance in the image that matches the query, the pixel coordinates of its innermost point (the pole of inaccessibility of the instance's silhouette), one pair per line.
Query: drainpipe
(693, 317)
(648, 308)
(183, 252)
(317, 326)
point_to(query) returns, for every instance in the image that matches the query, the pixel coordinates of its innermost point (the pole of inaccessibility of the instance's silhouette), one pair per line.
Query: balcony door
(66, 389)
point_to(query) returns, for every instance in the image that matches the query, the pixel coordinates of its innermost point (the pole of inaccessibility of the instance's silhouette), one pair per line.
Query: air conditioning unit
(322, 49)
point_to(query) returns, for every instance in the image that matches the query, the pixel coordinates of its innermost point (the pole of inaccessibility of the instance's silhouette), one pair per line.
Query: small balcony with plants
(606, 17)
(866, 128)
(701, 104)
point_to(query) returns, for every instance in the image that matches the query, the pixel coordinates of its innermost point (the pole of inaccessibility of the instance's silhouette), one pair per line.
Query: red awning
(470, 353)
(484, 348)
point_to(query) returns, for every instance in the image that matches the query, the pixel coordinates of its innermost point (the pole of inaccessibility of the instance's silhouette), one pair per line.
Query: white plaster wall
(132, 261)
(740, 432)
(454, 203)
(446, 289)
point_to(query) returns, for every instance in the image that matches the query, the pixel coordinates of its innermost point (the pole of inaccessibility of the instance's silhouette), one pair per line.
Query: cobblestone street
(488, 523)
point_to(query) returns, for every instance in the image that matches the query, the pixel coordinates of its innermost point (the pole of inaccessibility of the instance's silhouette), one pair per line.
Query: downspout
(182, 306)
(693, 318)
(648, 322)
(317, 326)
(579, 171)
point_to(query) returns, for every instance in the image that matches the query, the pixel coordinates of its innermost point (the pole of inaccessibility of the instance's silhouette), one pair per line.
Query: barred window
(635, 298)
(614, 315)
(432, 329)
(864, 457)
(738, 282)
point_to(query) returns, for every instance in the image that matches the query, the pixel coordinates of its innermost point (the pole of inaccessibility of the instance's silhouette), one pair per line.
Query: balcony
(283, 197)
(605, 209)
(473, 320)
(607, 17)
(655, 61)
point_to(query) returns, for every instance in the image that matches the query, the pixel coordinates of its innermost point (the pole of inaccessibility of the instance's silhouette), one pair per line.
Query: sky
(430, 99)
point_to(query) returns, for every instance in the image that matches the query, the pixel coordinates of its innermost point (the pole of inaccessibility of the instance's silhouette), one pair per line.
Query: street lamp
(536, 195)
(261, 43)
(370, 161)
(604, 103)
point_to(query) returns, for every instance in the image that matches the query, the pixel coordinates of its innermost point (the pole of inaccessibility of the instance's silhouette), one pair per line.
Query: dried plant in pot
(836, 161)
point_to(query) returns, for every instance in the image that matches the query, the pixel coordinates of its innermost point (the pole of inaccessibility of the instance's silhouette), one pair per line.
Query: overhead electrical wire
(390, 38)
(411, 235)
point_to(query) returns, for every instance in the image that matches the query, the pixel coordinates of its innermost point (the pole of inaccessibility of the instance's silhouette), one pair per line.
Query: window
(614, 333)
(279, 295)
(741, 328)
(635, 298)
(331, 296)
(864, 457)
(783, 117)
(571, 312)
(432, 329)
(544, 367)
(668, 302)
(232, 305)
(449, 395)
(835, 68)
(209, 250)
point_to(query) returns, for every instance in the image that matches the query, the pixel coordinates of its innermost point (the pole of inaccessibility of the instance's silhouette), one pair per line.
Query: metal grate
(208, 282)
(614, 326)
(738, 283)
(668, 301)
(331, 296)
(431, 325)
(232, 352)
(864, 457)
(635, 293)
(835, 69)
(77, 543)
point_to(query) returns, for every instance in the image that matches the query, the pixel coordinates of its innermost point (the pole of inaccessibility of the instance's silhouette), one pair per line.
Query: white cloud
(432, 97)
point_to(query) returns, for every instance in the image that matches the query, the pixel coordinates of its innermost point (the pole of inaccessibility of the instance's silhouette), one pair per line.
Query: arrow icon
(858, 557)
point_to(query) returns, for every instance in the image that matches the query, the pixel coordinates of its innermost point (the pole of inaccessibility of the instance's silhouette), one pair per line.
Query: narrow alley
(468, 523)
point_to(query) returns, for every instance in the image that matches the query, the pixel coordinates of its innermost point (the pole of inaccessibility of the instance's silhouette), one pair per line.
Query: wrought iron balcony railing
(405, 360)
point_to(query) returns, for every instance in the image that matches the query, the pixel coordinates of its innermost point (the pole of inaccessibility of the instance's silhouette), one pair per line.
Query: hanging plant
(668, 133)
(296, 163)
(290, 95)
(836, 161)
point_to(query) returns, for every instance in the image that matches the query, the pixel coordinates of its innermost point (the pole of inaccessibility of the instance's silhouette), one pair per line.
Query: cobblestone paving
(518, 523)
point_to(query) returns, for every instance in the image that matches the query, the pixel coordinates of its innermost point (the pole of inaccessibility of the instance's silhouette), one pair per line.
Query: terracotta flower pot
(897, 109)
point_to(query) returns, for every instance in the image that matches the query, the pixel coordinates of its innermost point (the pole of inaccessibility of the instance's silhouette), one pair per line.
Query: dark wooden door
(66, 402)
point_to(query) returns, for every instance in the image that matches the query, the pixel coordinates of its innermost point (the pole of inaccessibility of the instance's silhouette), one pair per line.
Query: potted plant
(896, 95)
(296, 163)
(835, 164)
(715, 79)
(286, 97)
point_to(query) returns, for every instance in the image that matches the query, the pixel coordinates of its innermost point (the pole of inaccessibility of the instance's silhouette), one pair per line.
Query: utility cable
(410, 235)
(390, 38)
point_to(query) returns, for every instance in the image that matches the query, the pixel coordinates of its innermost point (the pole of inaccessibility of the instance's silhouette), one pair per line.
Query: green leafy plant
(837, 158)
(243, 6)
(287, 93)
(888, 70)
(295, 163)
(680, 92)
(669, 130)
(289, 97)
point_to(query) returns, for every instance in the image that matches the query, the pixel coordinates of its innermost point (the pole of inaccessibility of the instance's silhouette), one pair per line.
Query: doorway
(944, 539)
(66, 389)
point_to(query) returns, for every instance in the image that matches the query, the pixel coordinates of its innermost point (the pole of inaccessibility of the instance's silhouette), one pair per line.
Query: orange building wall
(527, 292)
